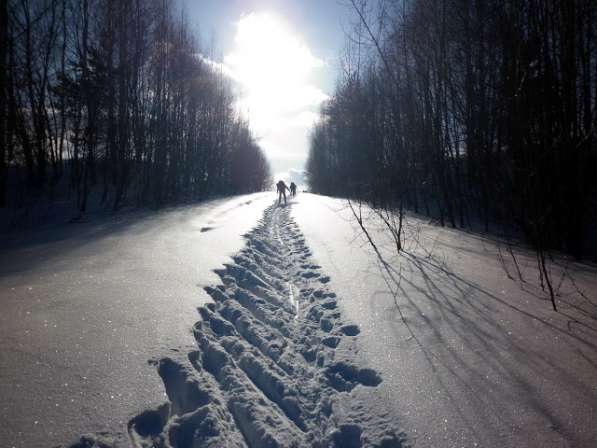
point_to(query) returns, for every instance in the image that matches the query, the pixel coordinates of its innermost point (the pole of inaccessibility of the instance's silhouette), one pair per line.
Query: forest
(115, 101)
(479, 114)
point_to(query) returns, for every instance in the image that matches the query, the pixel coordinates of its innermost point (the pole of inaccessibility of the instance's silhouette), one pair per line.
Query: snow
(468, 357)
(304, 337)
(85, 306)
(269, 372)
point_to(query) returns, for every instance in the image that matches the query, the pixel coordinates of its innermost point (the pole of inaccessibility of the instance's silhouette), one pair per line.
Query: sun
(273, 65)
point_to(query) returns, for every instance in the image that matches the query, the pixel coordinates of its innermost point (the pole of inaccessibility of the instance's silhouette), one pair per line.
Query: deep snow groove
(266, 372)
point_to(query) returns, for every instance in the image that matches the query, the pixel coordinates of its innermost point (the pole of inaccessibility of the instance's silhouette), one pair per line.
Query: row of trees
(114, 96)
(469, 111)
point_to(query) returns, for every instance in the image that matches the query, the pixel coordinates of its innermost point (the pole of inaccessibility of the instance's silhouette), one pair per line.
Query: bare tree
(115, 95)
(472, 112)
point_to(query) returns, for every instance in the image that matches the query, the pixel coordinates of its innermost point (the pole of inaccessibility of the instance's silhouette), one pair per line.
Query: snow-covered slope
(303, 338)
(468, 356)
(85, 306)
(275, 364)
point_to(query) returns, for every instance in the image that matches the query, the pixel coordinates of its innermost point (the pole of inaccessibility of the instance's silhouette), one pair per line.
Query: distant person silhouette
(292, 189)
(281, 186)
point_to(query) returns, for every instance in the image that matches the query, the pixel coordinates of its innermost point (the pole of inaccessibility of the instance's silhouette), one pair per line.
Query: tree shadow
(494, 347)
(29, 248)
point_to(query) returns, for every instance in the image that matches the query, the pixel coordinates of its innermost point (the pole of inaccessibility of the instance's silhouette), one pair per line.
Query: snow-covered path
(304, 338)
(275, 365)
(468, 356)
(85, 306)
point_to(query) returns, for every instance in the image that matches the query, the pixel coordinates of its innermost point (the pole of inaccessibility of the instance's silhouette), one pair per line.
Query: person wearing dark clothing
(281, 187)
(292, 189)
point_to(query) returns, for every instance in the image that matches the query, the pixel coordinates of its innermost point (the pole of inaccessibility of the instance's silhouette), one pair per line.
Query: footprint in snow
(264, 375)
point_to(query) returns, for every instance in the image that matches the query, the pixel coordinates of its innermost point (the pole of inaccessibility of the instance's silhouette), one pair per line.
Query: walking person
(292, 189)
(281, 187)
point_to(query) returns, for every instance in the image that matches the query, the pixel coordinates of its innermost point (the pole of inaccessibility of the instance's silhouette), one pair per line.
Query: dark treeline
(113, 96)
(469, 111)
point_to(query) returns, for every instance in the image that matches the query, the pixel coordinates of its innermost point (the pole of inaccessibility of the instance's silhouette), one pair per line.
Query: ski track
(269, 371)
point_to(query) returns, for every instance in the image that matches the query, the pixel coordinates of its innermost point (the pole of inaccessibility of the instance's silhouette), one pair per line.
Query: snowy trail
(275, 365)
(469, 358)
(84, 306)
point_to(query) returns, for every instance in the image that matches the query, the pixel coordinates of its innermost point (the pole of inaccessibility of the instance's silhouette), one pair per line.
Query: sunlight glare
(273, 66)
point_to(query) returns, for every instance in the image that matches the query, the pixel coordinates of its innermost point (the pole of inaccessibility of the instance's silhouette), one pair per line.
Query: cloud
(219, 66)
(274, 71)
(306, 119)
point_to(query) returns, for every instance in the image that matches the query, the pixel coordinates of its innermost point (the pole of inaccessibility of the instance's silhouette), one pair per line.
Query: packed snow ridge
(275, 365)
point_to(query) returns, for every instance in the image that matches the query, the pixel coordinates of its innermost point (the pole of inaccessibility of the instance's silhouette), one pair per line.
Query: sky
(283, 58)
